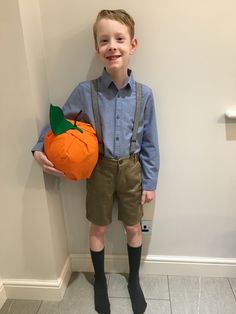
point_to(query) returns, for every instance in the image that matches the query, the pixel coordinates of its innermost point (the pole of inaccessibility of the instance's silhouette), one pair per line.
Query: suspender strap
(96, 114)
(138, 87)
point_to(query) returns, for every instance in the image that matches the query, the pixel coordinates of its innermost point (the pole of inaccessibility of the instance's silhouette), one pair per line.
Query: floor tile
(48, 307)
(121, 305)
(155, 286)
(216, 297)
(23, 307)
(233, 285)
(117, 286)
(158, 307)
(79, 297)
(184, 294)
(5, 308)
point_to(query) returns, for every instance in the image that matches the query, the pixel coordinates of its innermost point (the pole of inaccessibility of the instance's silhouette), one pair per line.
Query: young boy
(122, 112)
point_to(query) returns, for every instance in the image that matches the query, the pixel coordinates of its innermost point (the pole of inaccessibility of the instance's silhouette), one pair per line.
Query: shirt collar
(107, 81)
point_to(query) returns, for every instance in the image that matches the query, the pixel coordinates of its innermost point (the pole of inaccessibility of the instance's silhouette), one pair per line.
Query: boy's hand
(147, 196)
(46, 164)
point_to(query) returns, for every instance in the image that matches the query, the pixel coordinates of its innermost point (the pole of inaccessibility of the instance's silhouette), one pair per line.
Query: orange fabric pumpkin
(73, 152)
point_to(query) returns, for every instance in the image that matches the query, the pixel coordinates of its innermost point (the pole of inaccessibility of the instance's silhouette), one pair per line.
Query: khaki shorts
(115, 178)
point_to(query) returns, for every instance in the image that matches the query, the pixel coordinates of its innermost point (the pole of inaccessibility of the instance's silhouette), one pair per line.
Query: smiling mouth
(111, 58)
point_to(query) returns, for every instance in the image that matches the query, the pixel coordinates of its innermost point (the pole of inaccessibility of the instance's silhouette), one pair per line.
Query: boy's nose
(112, 45)
(112, 48)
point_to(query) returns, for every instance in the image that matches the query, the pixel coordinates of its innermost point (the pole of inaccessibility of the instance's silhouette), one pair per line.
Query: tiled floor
(164, 294)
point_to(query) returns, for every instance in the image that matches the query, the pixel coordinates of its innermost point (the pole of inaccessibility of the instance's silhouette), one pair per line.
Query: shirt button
(117, 117)
(117, 138)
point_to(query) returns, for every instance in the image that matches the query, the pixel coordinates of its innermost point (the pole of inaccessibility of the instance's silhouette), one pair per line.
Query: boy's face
(114, 45)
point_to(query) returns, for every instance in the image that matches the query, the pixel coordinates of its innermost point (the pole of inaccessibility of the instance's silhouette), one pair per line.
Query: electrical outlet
(146, 226)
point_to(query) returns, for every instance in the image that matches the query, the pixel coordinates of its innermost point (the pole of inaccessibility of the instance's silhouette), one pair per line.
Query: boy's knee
(133, 230)
(97, 231)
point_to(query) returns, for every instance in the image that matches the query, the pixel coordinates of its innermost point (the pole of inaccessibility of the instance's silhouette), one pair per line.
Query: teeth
(113, 57)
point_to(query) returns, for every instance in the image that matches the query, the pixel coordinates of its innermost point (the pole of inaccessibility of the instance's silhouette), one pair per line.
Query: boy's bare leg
(134, 245)
(134, 235)
(96, 241)
(96, 237)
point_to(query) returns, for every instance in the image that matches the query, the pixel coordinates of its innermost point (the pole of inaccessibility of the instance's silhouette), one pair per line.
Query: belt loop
(118, 164)
(134, 157)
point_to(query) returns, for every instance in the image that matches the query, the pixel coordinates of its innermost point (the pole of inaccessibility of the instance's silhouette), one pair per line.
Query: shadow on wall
(66, 65)
(77, 227)
(35, 232)
(43, 231)
(95, 68)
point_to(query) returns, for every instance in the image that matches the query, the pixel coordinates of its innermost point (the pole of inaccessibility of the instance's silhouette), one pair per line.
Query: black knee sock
(102, 305)
(135, 291)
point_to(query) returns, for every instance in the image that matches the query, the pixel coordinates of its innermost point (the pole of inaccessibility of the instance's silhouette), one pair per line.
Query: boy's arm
(39, 144)
(71, 106)
(149, 153)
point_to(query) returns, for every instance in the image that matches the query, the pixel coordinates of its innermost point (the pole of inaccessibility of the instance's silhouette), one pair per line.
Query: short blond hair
(118, 15)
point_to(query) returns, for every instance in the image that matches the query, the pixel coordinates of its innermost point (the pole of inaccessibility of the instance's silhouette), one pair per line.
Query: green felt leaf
(58, 123)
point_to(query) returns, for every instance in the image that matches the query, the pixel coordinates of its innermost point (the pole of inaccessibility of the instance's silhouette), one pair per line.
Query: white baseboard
(52, 290)
(3, 296)
(162, 265)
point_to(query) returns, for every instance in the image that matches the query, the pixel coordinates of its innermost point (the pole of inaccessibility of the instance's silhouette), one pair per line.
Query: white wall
(32, 241)
(186, 54)
(35, 56)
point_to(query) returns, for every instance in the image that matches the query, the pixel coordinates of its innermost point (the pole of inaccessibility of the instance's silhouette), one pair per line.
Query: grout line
(118, 297)
(157, 299)
(108, 280)
(168, 283)
(199, 293)
(9, 309)
(231, 288)
(39, 307)
(153, 299)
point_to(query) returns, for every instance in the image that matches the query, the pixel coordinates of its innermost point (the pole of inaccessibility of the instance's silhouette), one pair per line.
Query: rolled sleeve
(39, 145)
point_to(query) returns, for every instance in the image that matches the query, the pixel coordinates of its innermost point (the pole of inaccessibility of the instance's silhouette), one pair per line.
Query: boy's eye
(120, 39)
(103, 41)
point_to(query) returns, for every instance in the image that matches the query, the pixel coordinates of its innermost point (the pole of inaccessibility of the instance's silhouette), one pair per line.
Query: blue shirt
(117, 109)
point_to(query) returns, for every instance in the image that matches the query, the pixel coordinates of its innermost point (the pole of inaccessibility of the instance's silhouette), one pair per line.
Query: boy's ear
(134, 44)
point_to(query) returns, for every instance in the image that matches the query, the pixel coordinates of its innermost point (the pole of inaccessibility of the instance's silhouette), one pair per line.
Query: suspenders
(138, 88)
(96, 114)
(94, 95)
